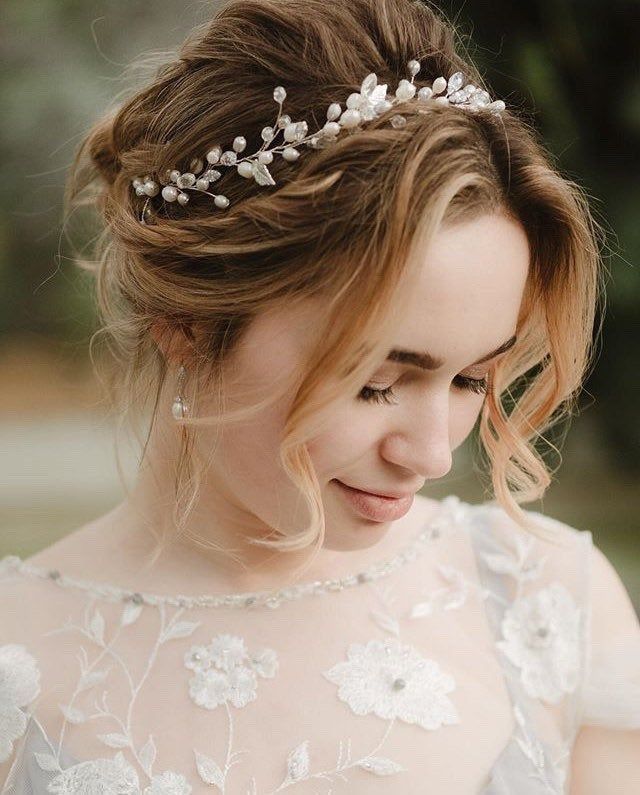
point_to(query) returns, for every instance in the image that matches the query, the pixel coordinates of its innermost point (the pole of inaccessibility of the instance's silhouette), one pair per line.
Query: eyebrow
(426, 361)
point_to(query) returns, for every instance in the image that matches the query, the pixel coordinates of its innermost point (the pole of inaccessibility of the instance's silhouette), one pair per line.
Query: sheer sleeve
(611, 691)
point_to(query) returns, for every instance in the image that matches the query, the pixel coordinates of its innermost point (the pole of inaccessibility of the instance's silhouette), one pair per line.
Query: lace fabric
(477, 655)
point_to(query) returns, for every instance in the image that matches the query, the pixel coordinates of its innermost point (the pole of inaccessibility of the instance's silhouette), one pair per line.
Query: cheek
(464, 415)
(350, 437)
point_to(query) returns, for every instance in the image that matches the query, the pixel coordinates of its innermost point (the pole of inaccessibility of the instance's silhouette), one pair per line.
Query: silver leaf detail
(262, 174)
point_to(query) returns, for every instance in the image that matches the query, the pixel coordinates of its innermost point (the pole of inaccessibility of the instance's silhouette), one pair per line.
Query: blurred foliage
(571, 66)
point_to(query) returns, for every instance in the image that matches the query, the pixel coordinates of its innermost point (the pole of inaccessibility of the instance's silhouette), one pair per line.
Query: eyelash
(476, 385)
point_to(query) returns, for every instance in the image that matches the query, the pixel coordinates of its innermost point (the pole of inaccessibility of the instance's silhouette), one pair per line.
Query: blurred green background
(571, 66)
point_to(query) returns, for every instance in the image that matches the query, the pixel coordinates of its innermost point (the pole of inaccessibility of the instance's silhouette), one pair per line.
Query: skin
(468, 271)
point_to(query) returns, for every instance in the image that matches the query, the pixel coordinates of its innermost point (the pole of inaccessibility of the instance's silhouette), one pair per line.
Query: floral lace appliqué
(393, 680)
(541, 637)
(225, 671)
(19, 685)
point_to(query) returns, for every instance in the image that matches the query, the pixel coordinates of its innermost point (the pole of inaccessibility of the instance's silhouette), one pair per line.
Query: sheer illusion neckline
(445, 514)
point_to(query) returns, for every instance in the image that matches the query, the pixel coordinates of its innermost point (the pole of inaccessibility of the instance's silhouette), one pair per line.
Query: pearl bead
(414, 67)
(183, 199)
(424, 93)
(350, 119)
(405, 90)
(140, 191)
(202, 184)
(439, 84)
(290, 154)
(137, 182)
(279, 94)
(221, 201)
(353, 100)
(213, 155)
(239, 143)
(174, 174)
(265, 158)
(178, 409)
(151, 188)
(284, 120)
(332, 128)
(334, 111)
(169, 193)
(267, 133)
(245, 169)
(212, 174)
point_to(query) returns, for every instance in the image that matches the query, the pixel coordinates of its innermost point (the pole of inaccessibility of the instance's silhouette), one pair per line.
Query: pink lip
(378, 508)
(396, 495)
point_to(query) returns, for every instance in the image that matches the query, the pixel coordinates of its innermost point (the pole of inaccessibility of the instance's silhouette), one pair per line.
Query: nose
(422, 443)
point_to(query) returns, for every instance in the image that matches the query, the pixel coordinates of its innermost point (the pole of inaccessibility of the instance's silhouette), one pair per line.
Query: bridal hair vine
(372, 101)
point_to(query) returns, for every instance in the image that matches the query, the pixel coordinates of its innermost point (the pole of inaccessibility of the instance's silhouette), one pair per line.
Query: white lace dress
(466, 664)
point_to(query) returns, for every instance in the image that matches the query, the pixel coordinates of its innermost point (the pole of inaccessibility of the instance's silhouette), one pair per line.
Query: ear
(173, 341)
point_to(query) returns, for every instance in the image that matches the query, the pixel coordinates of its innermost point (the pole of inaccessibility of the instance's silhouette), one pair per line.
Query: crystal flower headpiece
(372, 101)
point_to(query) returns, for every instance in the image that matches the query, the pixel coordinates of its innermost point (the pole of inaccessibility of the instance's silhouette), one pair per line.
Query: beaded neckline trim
(449, 512)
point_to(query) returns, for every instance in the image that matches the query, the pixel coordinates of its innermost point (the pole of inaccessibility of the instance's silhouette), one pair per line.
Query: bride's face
(400, 431)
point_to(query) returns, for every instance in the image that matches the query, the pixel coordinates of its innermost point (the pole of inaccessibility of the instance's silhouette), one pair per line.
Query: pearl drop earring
(179, 408)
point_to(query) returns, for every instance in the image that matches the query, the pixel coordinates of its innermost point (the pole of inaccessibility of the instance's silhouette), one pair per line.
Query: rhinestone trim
(450, 511)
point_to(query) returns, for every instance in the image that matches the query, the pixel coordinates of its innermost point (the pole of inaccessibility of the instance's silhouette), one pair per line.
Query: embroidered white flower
(541, 637)
(226, 671)
(393, 680)
(19, 685)
(97, 777)
(168, 783)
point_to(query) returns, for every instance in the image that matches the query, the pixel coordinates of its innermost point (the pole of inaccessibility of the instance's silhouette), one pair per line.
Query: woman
(311, 324)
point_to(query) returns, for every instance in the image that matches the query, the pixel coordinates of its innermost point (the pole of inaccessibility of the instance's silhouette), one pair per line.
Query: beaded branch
(372, 101)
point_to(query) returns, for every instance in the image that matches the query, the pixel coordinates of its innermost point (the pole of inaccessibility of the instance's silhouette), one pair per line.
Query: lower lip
(374, 507)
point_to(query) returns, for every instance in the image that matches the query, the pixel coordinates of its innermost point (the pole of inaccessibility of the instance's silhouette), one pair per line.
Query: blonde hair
(340, 224)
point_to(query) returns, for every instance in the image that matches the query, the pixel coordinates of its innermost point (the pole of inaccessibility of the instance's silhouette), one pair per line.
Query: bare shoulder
(98, 549)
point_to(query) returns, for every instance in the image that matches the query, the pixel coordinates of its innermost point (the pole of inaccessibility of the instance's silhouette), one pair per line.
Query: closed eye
(387, 395)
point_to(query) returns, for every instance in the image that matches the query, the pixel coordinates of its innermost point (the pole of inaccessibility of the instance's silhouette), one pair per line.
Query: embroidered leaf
(72, 715)
(47, 762)
(454, 599)
(181, 629)
(451, 574)
(386, 622)
(501, 564)
(421, 609)
(148, 755)
(130, 614)
(90, 679)
(209, 771)
(298, 762)
(96, 627)
(380, 766)
(114, 740)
